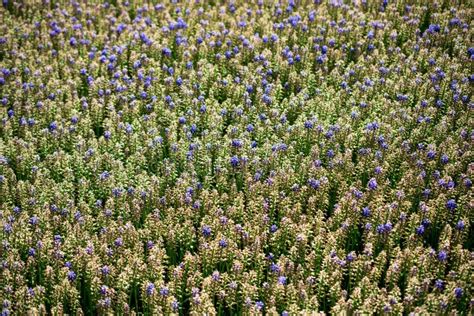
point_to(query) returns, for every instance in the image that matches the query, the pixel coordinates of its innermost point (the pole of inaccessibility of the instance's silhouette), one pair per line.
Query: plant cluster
(236, 157)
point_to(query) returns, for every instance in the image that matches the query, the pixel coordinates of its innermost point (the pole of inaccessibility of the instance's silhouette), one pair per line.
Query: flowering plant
(231, 157)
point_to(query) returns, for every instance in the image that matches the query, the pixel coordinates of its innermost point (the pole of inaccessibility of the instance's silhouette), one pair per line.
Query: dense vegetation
(247, 157)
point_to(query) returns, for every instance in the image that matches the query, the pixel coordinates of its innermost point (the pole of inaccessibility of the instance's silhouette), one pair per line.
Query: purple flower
(150, 289)
(175, 305)
(468, 183)
(366, 211)
(164, 291)
(216, 276)
(313, 183)
(104, 175)
(206, 231)
(308, 125)
(372, 184)
(460, 225)
(458, 292)
(259, 305)
(357, 194)
(34, 220)
(442, 256)
(105, 270)
(274, 268)
(128, 128)
(223, 243)
(451, 205)
(350, 257)
(420, 230)
(444, 159)
(118, 242)
(237, 143)
(71, 275)
(384, 228)
(166, 51)
(439, 284)
(234, 161)
(53, 126)
(282, 280)
(273, 228)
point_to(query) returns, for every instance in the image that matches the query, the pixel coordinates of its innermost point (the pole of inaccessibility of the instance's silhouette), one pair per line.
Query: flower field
(236, 157)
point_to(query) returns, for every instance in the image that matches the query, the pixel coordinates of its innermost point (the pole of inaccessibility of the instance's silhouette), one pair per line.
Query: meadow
(236, 157)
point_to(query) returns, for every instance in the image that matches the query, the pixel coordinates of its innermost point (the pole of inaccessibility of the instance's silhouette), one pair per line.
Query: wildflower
(439, 284)
(458, 292)
(234, 161)
(451, 205)
(223, 243)
(420, 230)
(282, 280)
(150, 289)
(273, 228)
(53, 126)
(206, 231)
(71, 275)
(372, 184)
(442, 256)
(460, 225)
(259, 305)
(313, 183)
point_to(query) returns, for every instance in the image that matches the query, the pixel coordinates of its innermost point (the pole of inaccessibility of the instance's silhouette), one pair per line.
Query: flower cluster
(236, 157)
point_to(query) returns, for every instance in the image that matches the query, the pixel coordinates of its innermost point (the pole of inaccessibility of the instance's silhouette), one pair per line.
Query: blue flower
(237, 143)
(274, 268)
(434, 28)
(273, 228)
(460, 225)
(366, 211)
(223, 243)
(451, 205)
(53, 126)
(234, 161)
(164, 291)
(420, 230)
(313, 183)
(206, 231)
(150, 289)
(175, 305)
(439, 284)
(34, 220)
(71, 275)
(372, 184)
(442, 256)
(444, 159)
(166, 51)
(282, 280)
(107, 135)
(308, 124)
